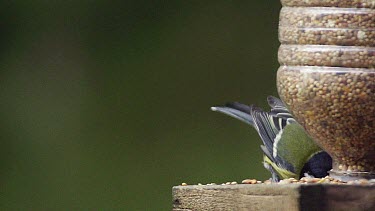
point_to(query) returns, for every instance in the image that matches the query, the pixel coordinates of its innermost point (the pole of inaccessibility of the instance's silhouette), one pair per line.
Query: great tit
(288, 151)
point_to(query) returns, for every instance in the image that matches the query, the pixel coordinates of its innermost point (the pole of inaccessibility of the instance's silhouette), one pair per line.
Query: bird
(289, 152)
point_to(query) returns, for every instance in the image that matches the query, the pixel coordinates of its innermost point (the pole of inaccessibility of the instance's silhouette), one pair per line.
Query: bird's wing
(270, 128)
(278, 108)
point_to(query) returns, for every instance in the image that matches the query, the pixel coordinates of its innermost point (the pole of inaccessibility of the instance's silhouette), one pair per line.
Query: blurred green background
(105, 104)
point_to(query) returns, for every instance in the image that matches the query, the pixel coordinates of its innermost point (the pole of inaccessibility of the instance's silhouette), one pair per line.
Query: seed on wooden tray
(303, 180)
(285, 181)
(267, 182)
(312, 180)
(249, 181)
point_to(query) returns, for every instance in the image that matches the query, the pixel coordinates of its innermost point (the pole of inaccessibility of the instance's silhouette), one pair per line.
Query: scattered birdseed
(249, 181)
(330, 3)
(267, 182)
(327, 55)
(336, 106)
(285, 181)
(303, 180)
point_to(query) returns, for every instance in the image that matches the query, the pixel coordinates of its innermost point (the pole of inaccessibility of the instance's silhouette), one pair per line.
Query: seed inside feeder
(330, 3)
(336, 106)
(327, 55)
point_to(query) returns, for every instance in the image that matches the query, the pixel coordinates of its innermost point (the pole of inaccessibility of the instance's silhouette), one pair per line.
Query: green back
(296, 147)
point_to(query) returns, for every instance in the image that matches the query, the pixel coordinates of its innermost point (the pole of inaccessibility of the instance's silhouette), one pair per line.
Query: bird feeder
(327, 78)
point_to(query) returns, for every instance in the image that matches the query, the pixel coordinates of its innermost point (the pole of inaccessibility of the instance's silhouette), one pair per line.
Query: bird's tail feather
(236, 110)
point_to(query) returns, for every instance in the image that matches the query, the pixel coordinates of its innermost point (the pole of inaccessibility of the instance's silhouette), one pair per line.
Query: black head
(318, 165)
